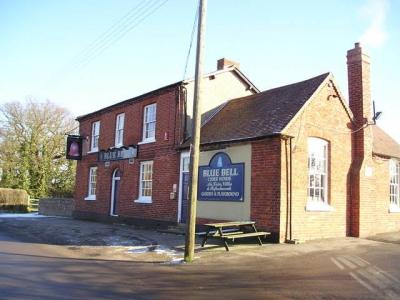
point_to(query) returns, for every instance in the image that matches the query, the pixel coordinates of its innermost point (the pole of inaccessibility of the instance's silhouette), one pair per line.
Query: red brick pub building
(300, 160)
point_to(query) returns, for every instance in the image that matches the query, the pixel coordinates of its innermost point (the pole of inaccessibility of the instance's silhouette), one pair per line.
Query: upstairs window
(149, 123)
(394, 171)
(119, 130)
(94, 145)
(317, 174)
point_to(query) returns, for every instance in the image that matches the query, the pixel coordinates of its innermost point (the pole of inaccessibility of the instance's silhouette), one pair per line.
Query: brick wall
(265, 184)
(323, 117)
(163, 154)
(384, 221)
(370, 174)
(56, 207)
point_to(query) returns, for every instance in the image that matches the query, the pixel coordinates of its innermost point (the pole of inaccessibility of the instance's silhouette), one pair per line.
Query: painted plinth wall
(229, 210)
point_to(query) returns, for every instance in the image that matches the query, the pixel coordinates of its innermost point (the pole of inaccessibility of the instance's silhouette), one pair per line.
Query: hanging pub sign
(74, 147)
(118, 153)
(221, 180)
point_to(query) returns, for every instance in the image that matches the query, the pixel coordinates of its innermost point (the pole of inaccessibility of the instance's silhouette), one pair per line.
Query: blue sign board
(221, 180)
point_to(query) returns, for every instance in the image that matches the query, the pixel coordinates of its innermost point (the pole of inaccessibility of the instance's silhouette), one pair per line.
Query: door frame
(113, 180)
(184, 155)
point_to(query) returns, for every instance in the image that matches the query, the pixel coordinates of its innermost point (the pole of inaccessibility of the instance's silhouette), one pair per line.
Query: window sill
(143, 200)
(147, 141)
(318, 206)
(91, 197)
(92, 151)
(393, 208)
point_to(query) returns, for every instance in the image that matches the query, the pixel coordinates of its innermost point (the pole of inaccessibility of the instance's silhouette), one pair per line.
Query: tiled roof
(259, 115)
(162, 89)
(383, 144)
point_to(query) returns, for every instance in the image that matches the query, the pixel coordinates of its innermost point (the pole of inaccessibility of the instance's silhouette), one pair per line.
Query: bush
(14, 200)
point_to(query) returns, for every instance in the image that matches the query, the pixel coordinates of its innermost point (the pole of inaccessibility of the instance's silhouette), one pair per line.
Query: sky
(88, 54)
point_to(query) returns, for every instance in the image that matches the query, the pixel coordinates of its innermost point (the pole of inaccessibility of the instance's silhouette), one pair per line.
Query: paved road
(346, 268)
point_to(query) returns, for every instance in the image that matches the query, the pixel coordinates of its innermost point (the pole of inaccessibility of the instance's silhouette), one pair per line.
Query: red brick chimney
(358, 68)
(224, 63)
(361, 192)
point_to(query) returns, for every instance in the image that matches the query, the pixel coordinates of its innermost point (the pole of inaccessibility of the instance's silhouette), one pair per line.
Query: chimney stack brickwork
(224, 63)
(358, 67)
(363, 200)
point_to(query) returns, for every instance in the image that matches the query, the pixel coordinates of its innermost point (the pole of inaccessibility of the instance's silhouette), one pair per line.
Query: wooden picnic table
(233, 230)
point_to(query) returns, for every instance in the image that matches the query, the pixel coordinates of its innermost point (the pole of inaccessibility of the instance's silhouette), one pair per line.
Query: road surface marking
(357, 260)
(346, 262)
(337, 263)
(369, 276)
(379, 274)
(390, 276)
(362, 282)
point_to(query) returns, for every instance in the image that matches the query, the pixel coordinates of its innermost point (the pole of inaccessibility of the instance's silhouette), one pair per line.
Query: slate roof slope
(384, 144)
(259, 115)
(160, 90)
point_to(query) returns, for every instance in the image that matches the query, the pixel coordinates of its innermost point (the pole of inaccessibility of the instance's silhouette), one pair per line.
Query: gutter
(256, 138)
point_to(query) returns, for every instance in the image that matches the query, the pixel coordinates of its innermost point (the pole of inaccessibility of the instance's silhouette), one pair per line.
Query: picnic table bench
(231, 231)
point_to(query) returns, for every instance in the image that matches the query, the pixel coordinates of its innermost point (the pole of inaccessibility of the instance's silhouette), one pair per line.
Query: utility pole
(195, 144)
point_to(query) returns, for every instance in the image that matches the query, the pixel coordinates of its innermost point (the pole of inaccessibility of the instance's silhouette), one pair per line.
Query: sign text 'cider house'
(221, 180)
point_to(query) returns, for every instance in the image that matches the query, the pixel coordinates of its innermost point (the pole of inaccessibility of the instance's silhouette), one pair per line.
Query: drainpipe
(290, 187)
(287, 189)
(184, 121)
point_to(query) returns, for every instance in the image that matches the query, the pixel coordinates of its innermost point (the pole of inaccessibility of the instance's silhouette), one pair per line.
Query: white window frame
(318, 175)
(149, 118)
(119, 130)
(92, 184)
(95, 138)
(145, 198)
(394, 185)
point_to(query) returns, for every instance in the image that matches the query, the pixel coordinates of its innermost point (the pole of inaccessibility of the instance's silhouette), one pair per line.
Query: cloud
(375, 34)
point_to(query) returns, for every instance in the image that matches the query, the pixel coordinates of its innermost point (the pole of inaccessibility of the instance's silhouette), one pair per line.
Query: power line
(113, 34)
(191, 43)
(139, 15)
(107, 33)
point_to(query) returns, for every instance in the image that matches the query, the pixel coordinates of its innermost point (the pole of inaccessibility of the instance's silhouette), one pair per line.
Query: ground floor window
(317, 174)
(394, 166)
(92, 184)
(146, 181)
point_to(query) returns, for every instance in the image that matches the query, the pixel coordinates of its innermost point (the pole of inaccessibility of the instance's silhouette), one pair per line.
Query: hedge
(15, 200)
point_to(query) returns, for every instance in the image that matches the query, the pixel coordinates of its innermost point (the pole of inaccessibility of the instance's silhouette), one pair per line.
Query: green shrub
(14, 200)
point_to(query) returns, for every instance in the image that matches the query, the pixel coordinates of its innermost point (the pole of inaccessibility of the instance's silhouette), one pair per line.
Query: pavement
(62, 258)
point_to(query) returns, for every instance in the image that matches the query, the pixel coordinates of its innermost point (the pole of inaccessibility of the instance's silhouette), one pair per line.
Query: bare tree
(32, 148)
